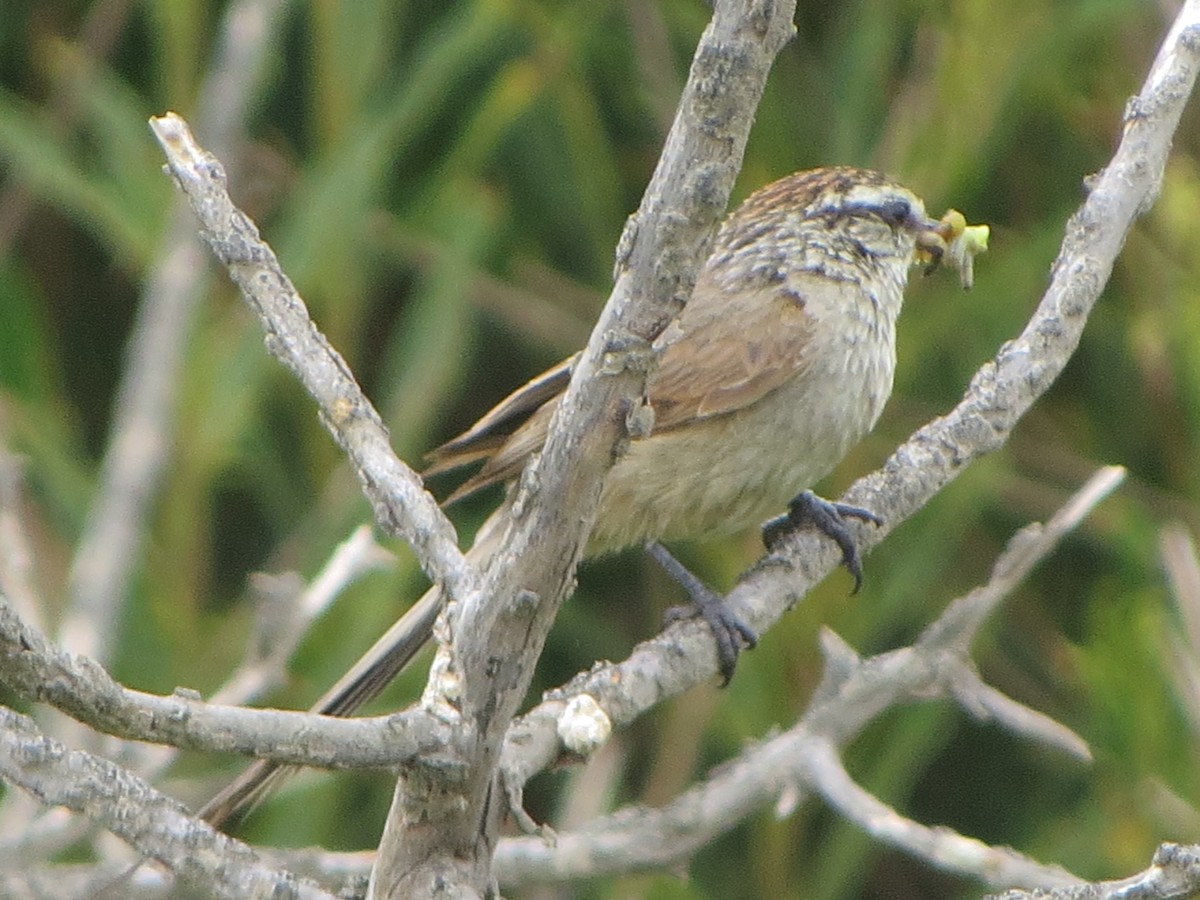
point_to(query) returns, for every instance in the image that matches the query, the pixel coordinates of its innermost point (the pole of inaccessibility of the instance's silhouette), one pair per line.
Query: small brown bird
(781, 361)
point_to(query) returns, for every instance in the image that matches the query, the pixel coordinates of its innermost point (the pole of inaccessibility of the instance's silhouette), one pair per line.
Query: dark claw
(827, 517)
(729, 632)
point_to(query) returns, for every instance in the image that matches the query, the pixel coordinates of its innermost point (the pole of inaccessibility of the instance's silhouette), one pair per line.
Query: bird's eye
(895, 212)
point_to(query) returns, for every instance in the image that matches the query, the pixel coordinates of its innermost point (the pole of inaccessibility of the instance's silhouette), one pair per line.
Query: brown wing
(483, 438)
(506, 435)
(709, 367)
(507, 461)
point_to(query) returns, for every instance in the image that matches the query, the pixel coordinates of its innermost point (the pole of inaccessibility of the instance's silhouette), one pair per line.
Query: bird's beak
(931, 243)
(952, 241)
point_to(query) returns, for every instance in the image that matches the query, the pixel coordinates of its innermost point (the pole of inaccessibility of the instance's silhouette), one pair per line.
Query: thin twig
(16, 560)
(402, 505)
(140, 438)
(1174, 874)
(1178, 553)
(264, 667)
(956, 628)
(781, 769)
(139, 442)
(35, 669)
(942, 847)
(103, 792)
(987, 704)
(261, 670)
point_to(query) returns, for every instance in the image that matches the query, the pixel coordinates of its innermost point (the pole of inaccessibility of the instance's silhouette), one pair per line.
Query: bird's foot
(827, 517)
(729, 632)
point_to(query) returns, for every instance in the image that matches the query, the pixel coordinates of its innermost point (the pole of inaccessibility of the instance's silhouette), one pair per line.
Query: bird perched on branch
(781, 361)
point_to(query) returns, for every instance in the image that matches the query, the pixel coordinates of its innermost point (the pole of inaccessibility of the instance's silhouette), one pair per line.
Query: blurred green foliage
(445, 183)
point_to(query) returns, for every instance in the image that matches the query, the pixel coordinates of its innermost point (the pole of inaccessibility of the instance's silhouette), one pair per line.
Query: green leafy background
(445, 182)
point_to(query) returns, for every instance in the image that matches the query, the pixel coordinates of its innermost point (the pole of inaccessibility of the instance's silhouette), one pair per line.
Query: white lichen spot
(583, 726)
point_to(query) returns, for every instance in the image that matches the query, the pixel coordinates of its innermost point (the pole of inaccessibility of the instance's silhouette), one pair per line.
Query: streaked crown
(831, 220)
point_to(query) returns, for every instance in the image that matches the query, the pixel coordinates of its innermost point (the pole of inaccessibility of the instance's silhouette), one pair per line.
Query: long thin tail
(374, 671)
(362, 683)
